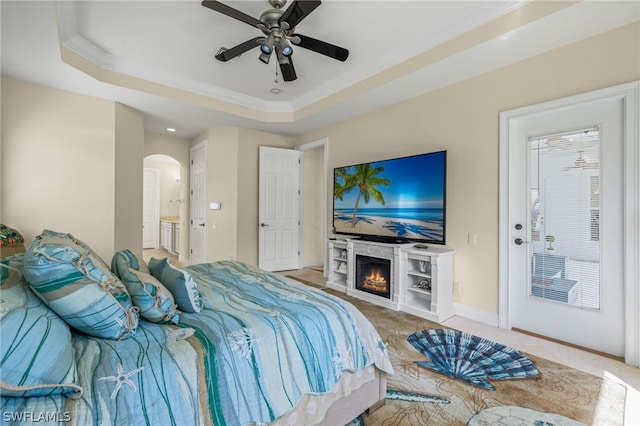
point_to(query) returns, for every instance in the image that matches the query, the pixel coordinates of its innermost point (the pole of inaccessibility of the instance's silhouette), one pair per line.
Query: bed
(263, 349)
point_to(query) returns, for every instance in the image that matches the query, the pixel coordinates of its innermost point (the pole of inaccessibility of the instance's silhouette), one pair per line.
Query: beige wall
(313, 186)
(1, 138)
(232, 179)
(222, 186)
(58, 164)
(129, 152)
(463, 119)
(173, 146)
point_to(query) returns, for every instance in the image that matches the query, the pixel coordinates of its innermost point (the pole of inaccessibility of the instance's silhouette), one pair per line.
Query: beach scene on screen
(400, 198)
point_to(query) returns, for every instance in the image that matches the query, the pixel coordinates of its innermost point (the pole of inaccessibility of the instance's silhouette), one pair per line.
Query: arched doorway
(164, 207)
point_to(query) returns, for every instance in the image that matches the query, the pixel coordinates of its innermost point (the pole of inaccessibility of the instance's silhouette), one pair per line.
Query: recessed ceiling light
(276, 91)
(170, 129)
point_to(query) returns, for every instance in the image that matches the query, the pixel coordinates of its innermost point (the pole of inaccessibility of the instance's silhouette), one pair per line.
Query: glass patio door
(566, 249)
(564, 179)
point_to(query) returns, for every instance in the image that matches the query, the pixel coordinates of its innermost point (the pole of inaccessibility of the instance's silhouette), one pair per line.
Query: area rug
(559, 392)
(520, 416)
(398, 395)
(470, 358)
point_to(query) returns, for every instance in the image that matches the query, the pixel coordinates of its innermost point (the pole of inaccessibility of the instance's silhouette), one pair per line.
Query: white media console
(415, 280)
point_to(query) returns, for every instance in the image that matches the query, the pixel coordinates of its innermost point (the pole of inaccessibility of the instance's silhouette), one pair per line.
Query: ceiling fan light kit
(285, 47)
(278, 27)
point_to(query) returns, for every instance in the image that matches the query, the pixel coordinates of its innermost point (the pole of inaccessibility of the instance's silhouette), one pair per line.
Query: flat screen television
(397, 200)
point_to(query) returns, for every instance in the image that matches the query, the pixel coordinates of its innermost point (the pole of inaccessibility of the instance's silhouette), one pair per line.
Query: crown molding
(439, 56)
(112, 69)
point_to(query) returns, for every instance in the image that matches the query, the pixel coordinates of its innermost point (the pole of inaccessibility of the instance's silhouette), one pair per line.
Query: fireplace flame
(375, 279)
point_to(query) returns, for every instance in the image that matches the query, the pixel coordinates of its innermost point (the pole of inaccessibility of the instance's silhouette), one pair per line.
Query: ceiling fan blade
(298, 11)
(288, 71)
(229, 54)
(322, 47)
(229, 11)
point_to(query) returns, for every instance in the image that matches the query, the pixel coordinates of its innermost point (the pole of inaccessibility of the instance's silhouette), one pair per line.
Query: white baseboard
(475, 314)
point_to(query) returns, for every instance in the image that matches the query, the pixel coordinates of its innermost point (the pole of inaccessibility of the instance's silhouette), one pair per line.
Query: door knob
(263, 225)
(519, 241)
(202, 224)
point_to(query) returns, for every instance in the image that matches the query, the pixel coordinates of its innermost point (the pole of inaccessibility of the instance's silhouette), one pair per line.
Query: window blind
(564, 229)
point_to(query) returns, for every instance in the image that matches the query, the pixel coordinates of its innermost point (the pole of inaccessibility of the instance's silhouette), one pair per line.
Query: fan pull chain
(276, 80)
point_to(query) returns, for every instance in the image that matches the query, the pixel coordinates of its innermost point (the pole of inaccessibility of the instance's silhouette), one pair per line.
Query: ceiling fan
(582, 163)
(278, 27)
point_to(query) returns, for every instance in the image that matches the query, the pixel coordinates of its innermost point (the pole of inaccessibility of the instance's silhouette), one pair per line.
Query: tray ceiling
(158, 56)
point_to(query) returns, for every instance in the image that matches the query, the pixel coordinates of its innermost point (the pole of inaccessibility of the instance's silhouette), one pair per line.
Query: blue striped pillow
(77, 285)
(36, 355)
(154, 301)
(179, 282)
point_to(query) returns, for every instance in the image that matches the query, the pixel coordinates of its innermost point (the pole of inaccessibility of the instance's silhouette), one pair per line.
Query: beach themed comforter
(259, 344)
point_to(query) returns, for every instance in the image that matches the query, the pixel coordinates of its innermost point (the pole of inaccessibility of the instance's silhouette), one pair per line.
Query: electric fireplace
(373, 275)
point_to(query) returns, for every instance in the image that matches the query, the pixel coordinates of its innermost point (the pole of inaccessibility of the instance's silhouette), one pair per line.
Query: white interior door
(566, 248)
(150, 208)
(279, 209)
(198, 203)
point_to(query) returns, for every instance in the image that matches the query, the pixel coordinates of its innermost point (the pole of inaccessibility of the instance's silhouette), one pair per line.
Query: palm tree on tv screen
(365, 178)
(341, 175)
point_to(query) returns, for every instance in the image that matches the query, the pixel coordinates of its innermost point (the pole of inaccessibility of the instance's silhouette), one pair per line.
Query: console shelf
(422, 278)
(426, 284)
(338, 265)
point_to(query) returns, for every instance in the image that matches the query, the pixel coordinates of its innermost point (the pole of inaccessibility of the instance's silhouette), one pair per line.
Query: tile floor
(160, 254)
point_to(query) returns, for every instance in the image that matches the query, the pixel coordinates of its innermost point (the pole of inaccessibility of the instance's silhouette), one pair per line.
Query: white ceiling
(113, 49)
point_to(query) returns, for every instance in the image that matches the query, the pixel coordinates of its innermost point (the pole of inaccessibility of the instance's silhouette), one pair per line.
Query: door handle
(520, 241)
(263, 225)
(202, 224)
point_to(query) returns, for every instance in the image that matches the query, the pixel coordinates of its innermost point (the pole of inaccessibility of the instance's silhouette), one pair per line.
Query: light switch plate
(215, 206)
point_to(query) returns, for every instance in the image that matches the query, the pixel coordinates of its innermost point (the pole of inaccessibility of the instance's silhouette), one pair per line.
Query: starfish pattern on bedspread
(342, 362)
(121, 379)
(242, 341)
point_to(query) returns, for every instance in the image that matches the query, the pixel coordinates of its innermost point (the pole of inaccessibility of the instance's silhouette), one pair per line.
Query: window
(564, 177)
